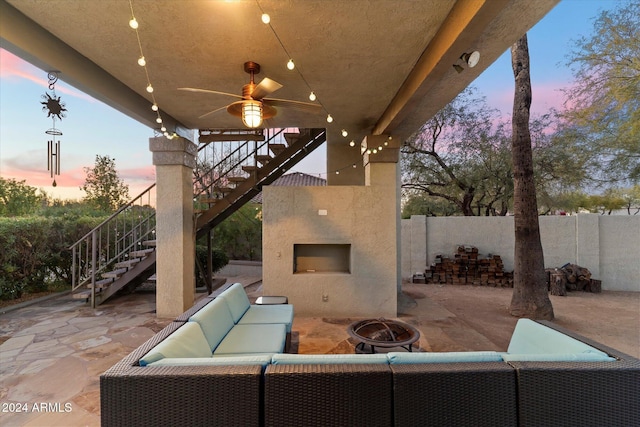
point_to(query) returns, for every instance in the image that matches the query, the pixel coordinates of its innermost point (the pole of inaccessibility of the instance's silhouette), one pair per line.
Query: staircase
(233, 166)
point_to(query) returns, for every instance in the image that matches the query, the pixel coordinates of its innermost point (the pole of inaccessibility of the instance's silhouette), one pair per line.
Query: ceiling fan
(255, 107)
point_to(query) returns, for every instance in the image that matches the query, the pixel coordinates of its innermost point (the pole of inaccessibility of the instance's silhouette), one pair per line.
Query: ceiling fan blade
(264, 88)
(192, 89)
(287, 103)
(214, 111)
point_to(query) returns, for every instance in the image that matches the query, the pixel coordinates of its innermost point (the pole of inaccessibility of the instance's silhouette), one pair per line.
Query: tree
(530, 296)
(460, 157)
(17, 198)
(104, 188)
(603, 106)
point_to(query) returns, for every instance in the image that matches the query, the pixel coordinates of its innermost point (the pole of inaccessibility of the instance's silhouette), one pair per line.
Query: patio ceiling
(377, 66)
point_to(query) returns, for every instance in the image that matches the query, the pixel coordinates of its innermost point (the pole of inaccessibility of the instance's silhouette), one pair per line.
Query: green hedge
(34, 252)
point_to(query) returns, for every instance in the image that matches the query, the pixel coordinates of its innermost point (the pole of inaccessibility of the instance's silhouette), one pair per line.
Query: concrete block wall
(609, 246)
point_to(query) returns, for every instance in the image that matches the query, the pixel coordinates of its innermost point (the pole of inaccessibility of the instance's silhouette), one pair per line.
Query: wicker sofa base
(337, 394)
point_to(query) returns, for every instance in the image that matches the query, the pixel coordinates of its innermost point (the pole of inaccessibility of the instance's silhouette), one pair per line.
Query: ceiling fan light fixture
(252, 113)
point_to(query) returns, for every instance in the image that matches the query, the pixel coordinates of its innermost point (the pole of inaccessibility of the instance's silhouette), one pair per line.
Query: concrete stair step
(277, 148)
(85, 295)
(207, 201)
(237, 179)
(223, 190)
(250, 169)
(141, 253)
(128, 263)
(263, 158)
(149, 243)
(291, 138)
(114, 273)
(103, 283)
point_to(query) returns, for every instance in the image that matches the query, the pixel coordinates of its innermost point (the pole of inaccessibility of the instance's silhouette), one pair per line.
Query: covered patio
(377, 70)
(55, 350)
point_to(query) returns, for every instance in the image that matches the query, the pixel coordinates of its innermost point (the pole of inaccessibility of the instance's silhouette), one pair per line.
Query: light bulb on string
(141, 61)
(163, 129)
(149, 88)
(344, 133)
(352, 143)
(329, 118)
(154, 107)
(159, 120)
(291, 65)
(312, 96)
(266, 18)
(133, 23)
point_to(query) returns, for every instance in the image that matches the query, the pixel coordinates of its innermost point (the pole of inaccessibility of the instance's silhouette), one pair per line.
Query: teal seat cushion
(237, 301)
(262, 360)
(215, 321)
(557, 357)
(266, 338)
(269, 314)
(188, 341)
(530, 337)
(329, 359)
(400, 358)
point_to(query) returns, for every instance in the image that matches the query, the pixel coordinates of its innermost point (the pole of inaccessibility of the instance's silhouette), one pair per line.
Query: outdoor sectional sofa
(548, 377)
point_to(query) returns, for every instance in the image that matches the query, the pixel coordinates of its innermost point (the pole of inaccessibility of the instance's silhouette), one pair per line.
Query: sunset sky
(91, 128)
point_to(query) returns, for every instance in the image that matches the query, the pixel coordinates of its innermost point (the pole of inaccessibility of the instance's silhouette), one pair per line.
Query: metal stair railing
(228, 159)
(112, 240)
(310, 139)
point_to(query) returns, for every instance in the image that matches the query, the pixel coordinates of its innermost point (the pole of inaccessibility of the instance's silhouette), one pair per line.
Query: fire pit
(382, 333)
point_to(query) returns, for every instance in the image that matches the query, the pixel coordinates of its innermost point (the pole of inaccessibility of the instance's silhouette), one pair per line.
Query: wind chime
(56, 110)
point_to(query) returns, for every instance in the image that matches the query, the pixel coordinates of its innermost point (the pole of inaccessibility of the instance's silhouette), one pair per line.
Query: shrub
(35, 252)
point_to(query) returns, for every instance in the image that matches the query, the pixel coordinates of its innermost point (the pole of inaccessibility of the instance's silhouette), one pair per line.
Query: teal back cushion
(237, 301)
(329, 359)
(186, 342)
(530, 337)
(215, 321)
(400, 358)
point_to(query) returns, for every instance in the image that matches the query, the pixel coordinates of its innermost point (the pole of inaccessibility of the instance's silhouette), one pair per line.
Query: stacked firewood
(571, 277)
(467, 267)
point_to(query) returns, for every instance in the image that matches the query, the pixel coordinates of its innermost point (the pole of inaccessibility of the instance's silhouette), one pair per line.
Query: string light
(291, 65)
(329, 118)
(312, 96)
(344, 133)
(352, 143)
(266, 18)
(133, 23)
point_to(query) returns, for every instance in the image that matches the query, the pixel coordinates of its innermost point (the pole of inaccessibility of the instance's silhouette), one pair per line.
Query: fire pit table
(382, 333)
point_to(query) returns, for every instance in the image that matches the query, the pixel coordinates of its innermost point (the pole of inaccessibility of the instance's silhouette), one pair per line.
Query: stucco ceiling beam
(457, 34)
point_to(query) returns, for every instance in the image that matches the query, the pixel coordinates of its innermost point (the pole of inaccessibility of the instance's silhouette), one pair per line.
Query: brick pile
(467, 267)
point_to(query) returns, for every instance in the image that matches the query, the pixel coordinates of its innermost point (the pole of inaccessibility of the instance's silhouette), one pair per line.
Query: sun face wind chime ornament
(55, 109)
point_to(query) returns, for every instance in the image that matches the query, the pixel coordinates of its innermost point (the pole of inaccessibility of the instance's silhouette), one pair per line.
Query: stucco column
(381, 169)
(175, 284)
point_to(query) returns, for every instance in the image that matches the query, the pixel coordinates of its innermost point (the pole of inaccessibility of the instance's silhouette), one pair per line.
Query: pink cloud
(13, 68)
